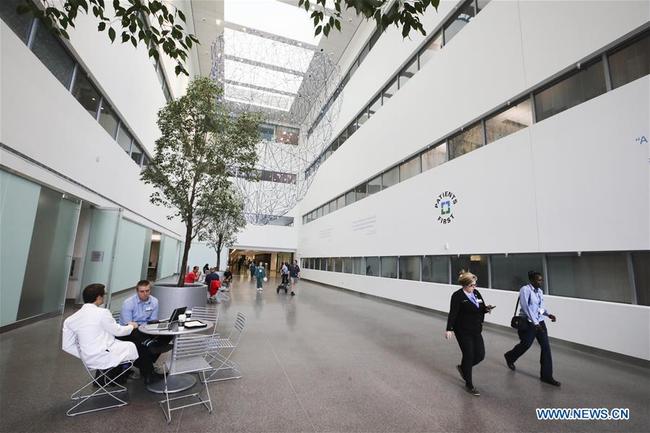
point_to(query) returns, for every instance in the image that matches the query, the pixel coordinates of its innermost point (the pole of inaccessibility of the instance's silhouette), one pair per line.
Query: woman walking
(465, 321)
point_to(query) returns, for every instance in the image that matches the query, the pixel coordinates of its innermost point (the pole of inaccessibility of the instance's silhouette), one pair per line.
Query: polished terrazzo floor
(328, 360)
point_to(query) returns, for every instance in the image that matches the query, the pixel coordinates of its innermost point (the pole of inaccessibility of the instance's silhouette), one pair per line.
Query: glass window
(389, 90)
(390, 177)
(85, 93)
(601, 276)
(124, 138)
(287, 135)
(509, 120)
(19, 23)
(459, 20)
(54, 56)
(434, 156)
(435, 269)
(374, 106)
(375, 37)
(372, 266)
(340, 202)
(338, 264)
(145, 160)
(342, 137)
(575, 89)
(409, 268)
(476, 264)
(430, 49)
(326, 209)
(641, 264)
(319, 212)
(389, 267)
(330, 264)
(466, 141)
(267, 132)
(630, 62)
(136, 152)
(407, 73)
(107, 118)
(481, 4)
(323, 264)
(352, 127)
(333, 206)
(511, 272)
(364, 52)
(374, 185)
(349, 198)
(362, 117)
(409, 168)
(358, 266)
(360, 191)
(347, 265)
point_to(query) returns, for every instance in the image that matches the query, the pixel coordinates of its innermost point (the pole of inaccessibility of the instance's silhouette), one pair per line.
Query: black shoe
(152, 378)
(460, 371)
(551, 382)
(292, 294)
(510, 364)
(472, 390)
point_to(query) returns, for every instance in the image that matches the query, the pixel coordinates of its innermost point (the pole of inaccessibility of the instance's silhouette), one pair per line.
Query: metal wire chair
(220, 351)
(188, 356)
(102, 381)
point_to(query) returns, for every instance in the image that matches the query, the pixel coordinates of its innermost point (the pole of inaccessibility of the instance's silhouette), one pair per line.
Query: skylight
(272, 16)
(267, 51)
(256, 97)
(262, 77)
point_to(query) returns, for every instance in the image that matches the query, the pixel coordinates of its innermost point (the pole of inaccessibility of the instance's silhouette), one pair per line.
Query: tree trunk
(186, 253)
(219, 247)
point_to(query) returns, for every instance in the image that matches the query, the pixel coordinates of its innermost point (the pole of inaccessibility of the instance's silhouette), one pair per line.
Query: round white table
(177, 382)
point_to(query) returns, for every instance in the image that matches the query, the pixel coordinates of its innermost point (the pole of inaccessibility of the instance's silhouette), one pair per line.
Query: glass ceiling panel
(268, 51)
(262, 77)
(256, 97)
(273, 17)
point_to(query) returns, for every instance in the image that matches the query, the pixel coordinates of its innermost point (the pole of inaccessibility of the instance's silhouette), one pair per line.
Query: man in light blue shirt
(141, 307)
(531, 300)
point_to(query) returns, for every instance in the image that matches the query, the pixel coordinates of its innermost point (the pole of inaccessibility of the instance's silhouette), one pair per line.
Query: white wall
(575, 182)
(42, 120)
(267, 238)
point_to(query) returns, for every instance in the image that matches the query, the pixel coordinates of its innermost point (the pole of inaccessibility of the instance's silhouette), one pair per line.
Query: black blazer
(463, 314)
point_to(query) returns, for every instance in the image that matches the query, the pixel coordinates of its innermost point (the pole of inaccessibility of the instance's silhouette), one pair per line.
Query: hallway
(328, 360)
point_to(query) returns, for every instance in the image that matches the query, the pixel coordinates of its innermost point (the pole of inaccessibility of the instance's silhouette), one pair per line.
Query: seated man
(192, 277)
(142, 308)
(95, 330)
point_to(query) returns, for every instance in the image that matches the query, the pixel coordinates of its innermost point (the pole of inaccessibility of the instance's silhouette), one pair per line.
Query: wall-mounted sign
(97, 256)
(445, 204)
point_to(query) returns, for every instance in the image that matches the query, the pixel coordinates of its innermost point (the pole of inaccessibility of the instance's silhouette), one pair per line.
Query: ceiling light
(219, 22)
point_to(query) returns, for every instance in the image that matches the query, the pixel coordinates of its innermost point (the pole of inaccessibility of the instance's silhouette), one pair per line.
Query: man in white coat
(95, 329)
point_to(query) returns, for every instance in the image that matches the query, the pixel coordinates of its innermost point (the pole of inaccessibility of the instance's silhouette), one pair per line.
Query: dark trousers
(473, 349)
(146, 345)
(526, 337)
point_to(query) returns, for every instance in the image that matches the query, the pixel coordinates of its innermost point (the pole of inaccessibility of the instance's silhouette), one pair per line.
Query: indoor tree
(201, 146)
(224, 218)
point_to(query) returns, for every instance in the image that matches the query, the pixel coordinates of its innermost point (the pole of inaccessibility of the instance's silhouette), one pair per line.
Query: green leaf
(64, 33)
(111, 34)
(326, 30)
(125, 37)
(181, 15)
(134, 41)
(337, 24)
(406, 29)
(318, 30)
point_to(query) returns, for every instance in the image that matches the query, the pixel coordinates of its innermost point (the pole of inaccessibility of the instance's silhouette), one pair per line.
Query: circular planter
(170, 296)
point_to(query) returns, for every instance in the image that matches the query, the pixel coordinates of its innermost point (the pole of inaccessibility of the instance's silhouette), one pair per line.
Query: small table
(178, 382)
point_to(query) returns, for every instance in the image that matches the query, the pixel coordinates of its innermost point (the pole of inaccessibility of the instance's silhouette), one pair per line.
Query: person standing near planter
(260, 275)
(193, 276)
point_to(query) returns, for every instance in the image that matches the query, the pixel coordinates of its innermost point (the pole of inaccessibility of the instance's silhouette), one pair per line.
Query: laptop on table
(173, 318)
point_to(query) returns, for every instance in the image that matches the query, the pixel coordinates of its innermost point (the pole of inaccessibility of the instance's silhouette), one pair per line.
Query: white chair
(106, 386)
(188, 356)
(220, 351)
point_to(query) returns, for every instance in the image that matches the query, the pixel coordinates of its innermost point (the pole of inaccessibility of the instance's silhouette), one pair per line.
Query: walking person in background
(465, 321)
(206, 270)
(294, 272)
(251, 268)
(260, 276)
(531, 300)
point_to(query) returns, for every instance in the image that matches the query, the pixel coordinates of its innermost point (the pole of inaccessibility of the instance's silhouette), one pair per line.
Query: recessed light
(218, 21)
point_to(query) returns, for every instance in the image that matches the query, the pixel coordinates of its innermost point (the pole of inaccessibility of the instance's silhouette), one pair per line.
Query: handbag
(518, 322)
